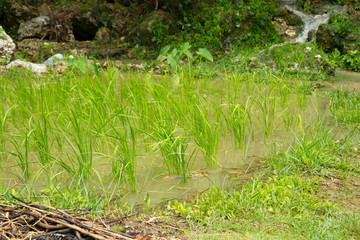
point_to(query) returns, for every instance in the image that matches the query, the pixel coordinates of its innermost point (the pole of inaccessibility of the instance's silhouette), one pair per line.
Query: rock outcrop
(34, 28)
(7, 47)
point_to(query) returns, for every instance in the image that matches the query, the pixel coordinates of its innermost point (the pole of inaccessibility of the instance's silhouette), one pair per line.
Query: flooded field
(158, 136)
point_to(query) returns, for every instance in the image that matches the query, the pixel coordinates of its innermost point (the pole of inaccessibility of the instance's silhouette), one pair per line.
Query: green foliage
(205, 54)
(341, 25)
(304, 60)
(214, 24)
(174, 57)
(316, 153)
(279, 196)
(355, 4)
(349, 61)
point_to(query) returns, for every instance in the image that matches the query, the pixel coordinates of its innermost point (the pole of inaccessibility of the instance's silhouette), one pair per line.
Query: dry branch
(24, 220)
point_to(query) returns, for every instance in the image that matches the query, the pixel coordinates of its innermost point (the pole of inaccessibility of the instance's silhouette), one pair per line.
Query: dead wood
(24, 220)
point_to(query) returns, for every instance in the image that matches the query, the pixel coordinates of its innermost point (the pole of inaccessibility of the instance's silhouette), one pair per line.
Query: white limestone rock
(34, 67)
(7, 47)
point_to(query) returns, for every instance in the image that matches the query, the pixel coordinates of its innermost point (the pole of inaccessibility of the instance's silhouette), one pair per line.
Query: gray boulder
(34, 28)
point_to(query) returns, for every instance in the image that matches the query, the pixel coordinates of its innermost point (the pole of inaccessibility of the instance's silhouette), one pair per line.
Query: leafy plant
(280, 196)
(174, 57)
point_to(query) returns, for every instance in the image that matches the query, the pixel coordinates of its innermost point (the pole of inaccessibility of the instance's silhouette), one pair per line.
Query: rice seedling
(124, 160)
(239, 121)
(206, 132)
(173, 146)
(22, 156)
(80, 142)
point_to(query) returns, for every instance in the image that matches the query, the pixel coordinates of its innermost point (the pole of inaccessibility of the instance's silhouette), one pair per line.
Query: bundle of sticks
(24, 220)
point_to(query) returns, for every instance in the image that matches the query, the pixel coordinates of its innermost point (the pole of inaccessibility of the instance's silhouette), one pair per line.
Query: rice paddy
(92, 135)
(75, 128)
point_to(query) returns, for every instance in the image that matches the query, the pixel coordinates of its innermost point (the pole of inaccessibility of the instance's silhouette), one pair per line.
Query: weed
(278, 196)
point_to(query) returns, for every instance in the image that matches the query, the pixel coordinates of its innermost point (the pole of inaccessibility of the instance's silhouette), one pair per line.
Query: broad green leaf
(205, 54)
(95, 69)
(185, 47)
(171, 61)
(188, 54)
(163, 51)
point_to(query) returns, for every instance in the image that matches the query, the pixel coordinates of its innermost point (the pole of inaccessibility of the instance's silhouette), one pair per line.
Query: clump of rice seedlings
(22, 155)
(266, 117)
(289, 119)
(124, 154)
(42, 144)
(205, 129)
(173, 146)
(80, 148)
(239, 121)
(345, 107)
(42, 126)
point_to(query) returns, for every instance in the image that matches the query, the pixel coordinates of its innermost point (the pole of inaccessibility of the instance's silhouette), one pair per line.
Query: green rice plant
(42, 144)
(21, 154)
(345, 107)
(134, 93)
(173, 146)
(42, 126)
(289, 119)
(267, 114)
(124, 160)
(301, 97)
(4, 115)
(205, 129)
(239, 121)
(80, 153)
(283, 91)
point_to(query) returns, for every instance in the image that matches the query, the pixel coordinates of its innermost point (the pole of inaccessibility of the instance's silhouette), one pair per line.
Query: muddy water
(234, 163)
(237, 162)
(347, 81)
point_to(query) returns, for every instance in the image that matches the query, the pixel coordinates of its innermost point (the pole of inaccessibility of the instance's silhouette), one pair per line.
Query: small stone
(54, 60)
